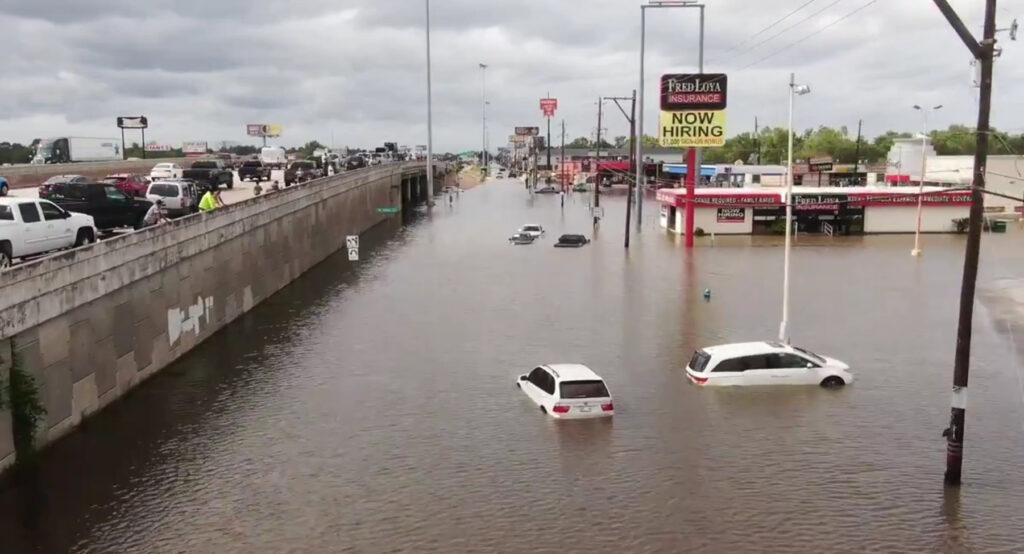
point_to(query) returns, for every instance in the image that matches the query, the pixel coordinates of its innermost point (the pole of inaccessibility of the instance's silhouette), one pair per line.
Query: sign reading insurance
(693, 109)
(693, 91)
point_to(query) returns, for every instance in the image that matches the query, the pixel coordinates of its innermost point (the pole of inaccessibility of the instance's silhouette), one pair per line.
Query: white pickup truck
(30, 226)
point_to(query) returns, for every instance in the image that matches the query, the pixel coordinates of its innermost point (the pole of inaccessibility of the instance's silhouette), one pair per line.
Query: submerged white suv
(567, 391)
(765, 363)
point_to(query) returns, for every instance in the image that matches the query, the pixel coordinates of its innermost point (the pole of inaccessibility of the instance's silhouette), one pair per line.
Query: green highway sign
(388, 210)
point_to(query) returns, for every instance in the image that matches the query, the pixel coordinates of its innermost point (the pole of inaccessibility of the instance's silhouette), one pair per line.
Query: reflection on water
(373, 408)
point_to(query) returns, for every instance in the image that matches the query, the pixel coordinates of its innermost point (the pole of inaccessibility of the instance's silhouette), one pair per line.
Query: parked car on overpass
(180, 196)
(31, 226)
(255, 170)
(211, 173)
(105, 202)
(4, 187)
(300, 172)
(45, 189)
(131, 184)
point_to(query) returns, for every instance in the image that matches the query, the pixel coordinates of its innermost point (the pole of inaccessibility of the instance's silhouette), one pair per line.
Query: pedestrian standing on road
(154, 215)
(561, 194)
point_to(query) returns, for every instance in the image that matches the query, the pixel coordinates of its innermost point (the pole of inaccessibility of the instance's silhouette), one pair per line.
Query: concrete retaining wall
(92, 323)
(23, 176)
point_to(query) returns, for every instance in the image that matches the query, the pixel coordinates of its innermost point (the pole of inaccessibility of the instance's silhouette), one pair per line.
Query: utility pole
(757, 142)
(856, 156)
(561, 166)
(984, 53)
(549, 137)
(483, 123)
(597, 165)
(430, 123)
(632, 167)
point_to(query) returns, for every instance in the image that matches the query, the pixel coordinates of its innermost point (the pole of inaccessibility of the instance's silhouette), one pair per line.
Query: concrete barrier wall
(22, 176)
(92, 323)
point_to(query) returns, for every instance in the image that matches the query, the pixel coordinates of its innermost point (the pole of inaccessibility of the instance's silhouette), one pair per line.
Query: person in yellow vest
(210, 201)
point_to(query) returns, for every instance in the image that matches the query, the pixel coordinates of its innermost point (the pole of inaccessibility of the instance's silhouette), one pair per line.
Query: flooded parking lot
(371, 407)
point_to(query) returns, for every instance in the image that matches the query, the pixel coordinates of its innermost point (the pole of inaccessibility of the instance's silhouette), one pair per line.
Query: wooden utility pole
(561, 166)
(984, 52)
(856, 156)
(757, 143)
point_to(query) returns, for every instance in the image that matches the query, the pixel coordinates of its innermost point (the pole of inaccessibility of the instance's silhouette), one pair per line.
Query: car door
(59, 233)
(758, 370)
(795, 369)
(729, 371)
(534, 385)
(33, 230)
(119, 207)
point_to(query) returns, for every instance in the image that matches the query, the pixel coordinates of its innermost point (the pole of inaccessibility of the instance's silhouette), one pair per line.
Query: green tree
(579, 142)
(621, 142)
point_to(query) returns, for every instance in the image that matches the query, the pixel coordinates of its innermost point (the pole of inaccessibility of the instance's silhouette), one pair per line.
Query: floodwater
(371, 407)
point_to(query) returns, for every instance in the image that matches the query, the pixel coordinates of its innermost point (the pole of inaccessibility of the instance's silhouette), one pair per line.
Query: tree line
(769, 145)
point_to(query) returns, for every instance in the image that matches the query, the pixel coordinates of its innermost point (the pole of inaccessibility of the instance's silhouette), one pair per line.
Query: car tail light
(607, 407)
(699, 380)
(560, 409)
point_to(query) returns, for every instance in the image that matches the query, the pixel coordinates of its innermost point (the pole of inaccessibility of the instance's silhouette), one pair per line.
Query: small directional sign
(352, 243)
(388, 210)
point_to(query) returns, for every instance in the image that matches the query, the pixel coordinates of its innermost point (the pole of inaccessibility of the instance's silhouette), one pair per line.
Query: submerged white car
(532, 229)
(567, 391)
(765, 363)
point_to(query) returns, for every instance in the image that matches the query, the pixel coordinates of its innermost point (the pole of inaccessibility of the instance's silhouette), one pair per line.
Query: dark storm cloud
(202, 68)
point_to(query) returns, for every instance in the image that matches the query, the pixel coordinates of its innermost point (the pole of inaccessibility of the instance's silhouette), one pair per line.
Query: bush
(778, 227)
(699, 232)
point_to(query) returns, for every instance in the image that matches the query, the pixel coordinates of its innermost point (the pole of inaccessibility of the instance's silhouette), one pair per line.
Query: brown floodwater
(371, 407)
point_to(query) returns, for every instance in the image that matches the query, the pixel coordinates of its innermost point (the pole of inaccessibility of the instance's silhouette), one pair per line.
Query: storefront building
(832, 210)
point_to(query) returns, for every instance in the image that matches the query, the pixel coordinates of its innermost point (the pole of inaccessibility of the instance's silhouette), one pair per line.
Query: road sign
(819, 165)
(548, 106)
(353, 254)
(387, 210)
(352, 241)
(194, 148)
(528, 131)
(692, 129)
(693, 91)
(133, 122)
(263, 129)
(156, 147)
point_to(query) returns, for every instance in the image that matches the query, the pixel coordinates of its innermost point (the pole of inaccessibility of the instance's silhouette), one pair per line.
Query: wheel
(6, 260)
(231, 184)
(84, 237)
(832, 382)
(4, 189)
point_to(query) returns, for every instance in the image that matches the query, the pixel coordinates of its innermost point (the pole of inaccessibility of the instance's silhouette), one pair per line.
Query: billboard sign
(693, 91)
(692, 129)
(527, 131)
(193, 148)
(133, 122)
(819, 165)
(154, 147)
(263, 130)
(548, 106)
(731, 215)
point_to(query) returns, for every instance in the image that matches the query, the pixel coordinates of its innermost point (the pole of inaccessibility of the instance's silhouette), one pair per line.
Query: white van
(274, 156)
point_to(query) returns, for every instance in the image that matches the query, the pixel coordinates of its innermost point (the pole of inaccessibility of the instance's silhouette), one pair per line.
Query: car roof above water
(573, 372)
(738, 349)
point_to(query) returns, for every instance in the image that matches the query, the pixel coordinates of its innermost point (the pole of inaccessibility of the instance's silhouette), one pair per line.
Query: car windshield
(531, 227)
(58, 179)
(252, 164)
(162, 166)
(583, 389)
(699, 361)
(164, 189)
(302, 165)
(810, 355)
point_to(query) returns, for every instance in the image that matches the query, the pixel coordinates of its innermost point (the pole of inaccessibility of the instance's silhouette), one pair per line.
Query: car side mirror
(65, 215)
(522, 377)
(810, 365)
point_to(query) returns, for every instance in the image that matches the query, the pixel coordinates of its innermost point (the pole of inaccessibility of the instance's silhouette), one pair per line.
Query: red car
(129, 183)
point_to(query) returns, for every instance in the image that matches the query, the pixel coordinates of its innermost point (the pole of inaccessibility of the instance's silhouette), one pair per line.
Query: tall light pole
(794, 90)
(920, 187)
(483, 125)
(430, 122)
(638, 138)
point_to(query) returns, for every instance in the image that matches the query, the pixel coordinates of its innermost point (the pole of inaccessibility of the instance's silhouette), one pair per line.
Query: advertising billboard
(693, 91)
(692, 129)
(263, 129)
(194, 148)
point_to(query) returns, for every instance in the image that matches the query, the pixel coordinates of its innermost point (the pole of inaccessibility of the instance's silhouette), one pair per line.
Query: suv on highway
(300, 172)
(180, 196)
(130, 183)
(254, 169)
(30, 226)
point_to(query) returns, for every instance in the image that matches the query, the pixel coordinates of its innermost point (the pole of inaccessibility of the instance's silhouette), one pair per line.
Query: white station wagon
(765, 363)
(567, 391)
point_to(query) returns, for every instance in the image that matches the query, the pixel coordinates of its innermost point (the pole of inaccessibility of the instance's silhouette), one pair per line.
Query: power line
(805, 37)
(755, 35)
(751, 47)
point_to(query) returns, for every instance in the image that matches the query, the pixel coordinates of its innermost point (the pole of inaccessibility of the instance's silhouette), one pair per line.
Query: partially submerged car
(571, 241)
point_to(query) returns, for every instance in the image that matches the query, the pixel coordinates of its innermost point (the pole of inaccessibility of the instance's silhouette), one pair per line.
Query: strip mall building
(840, 210)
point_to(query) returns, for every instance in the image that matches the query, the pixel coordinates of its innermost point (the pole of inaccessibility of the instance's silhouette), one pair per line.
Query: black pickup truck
(107, 205)
(210, 174)
(255, 170)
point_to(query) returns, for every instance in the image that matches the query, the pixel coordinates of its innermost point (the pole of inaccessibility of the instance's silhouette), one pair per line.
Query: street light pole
(920, 187)
(794, 89)
(430, 122)
(638, 138)
(483, 124)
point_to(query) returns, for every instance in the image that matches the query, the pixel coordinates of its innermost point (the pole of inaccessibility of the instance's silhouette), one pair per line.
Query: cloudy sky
(202, 69)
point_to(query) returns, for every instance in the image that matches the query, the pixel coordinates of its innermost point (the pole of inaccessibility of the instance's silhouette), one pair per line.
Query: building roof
(573, 372)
